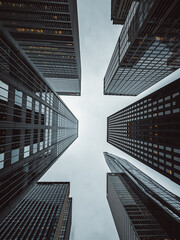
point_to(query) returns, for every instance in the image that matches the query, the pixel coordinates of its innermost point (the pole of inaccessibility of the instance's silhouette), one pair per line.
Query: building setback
(141, 208)
(148, 46)
(36, 126)
(149, 130)
(47, 32)
(44, 213)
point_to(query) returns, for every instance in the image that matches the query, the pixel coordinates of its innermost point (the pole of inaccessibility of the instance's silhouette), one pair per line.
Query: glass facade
(148, 130)
(47, 32)
(119, 10)
(141, 208)
(42, 214)
(147, 50)
(36, 126)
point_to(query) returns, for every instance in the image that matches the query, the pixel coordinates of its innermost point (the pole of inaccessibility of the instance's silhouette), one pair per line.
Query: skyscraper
(36, 126)
(148, 46)
(149, 130)
(47, 32)
(141, 208)
(44, 213)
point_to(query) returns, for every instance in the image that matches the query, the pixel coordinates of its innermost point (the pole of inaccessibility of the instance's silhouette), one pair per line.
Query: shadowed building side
(149, 130)
(36, 125)
(141, 208)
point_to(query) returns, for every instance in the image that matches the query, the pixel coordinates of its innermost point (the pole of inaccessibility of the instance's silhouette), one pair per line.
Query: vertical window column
(17, 106)
(15, 145)
(28, 109)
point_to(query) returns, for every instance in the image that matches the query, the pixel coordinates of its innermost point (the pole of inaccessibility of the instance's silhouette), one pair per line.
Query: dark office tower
(149, 130)
(44, 213)
(47, 32)
(36, 127)
(142, 209)
(148, 47)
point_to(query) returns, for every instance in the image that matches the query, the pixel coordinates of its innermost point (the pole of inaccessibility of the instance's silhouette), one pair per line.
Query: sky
(83, 163)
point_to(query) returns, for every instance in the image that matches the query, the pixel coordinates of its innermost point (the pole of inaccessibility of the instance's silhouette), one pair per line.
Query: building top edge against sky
(47, 32)
(167, 200)
(155, 94)
(147, 49)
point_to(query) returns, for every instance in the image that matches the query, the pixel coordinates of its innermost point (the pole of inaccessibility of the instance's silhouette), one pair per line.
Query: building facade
(149, 130)
(120, 10)
(36, 127)
(148, 46)
(141, 208)
(47, 32)
(44, 213)
(67, 220)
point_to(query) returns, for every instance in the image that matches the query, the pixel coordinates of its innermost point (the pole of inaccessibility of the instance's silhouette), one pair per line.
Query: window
(176, 110)
(42, 113)
(167, 98)
(28, 109)
(26, 151)
(168, 163)
(4, 91)
(41, 139)
(161, 160)
(177, 167)
(175, 94)
(18, 98)
(14, 155)
(36, 115)
(29, 103)
(34, 148)
(1, 160)
(17, 106)
(176, 150)
(3, 101)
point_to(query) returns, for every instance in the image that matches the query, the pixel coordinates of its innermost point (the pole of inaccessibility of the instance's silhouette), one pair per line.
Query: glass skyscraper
(36, 127)
(141, 208)
(149, 130)
(47, 32)
(148, 46)
(44, 213)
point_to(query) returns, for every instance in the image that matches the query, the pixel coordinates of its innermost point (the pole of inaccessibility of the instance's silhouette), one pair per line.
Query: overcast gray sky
(83, 163)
